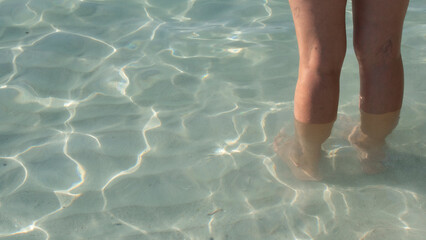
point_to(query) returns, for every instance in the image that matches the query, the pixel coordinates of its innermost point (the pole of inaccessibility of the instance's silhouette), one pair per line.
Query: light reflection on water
(154, 120)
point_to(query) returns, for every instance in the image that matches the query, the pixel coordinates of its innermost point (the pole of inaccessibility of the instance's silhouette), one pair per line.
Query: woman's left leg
(377, 42)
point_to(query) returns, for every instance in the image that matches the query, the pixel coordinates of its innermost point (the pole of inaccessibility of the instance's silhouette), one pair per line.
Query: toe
(372, 167)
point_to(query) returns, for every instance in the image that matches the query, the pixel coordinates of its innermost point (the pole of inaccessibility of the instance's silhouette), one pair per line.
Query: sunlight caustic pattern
(154, 119)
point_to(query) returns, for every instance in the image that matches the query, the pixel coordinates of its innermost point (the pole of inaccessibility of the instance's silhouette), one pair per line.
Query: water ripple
(154, 119)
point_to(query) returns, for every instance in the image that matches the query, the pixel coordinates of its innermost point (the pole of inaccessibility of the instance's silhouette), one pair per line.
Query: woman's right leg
(321, 38)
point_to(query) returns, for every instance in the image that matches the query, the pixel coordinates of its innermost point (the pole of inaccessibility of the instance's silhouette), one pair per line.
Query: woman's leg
(377, 42)
(321, 37)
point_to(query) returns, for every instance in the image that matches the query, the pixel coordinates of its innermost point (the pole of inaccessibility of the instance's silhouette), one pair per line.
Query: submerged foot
(371, 154)
(290, 152)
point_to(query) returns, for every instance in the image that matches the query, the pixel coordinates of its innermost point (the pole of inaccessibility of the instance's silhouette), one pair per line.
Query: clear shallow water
(154, 120)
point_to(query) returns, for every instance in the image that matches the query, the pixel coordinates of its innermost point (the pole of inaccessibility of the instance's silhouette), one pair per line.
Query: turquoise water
(154, 120)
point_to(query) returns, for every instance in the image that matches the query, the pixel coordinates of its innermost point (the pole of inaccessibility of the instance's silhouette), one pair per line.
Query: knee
(324, 63)
(376, 54)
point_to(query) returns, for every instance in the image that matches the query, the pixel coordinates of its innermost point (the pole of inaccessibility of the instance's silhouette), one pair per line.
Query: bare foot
(370, 153)
(288, 149)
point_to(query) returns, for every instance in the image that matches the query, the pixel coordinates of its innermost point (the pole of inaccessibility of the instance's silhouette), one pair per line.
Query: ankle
(369, 140)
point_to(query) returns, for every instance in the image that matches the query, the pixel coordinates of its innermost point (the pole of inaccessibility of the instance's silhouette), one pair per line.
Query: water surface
(154, 120)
